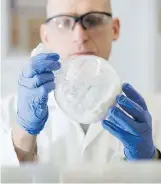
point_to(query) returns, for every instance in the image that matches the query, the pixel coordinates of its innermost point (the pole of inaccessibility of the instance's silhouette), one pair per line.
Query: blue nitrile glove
(134, 132)
(35, 82)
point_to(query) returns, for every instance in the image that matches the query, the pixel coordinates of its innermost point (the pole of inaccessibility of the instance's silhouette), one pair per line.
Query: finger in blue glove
(35, 83)
(132, 125)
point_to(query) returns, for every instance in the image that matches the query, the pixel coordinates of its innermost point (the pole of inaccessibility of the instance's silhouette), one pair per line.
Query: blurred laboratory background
(136, 55)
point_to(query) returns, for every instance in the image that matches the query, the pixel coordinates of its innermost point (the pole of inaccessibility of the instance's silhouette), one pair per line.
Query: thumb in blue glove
(132, 126)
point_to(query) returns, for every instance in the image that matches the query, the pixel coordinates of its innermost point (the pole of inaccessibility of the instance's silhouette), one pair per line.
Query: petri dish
(86, 87)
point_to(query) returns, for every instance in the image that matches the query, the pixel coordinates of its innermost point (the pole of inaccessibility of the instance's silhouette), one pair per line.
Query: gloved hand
(134, 131)
(35, 83)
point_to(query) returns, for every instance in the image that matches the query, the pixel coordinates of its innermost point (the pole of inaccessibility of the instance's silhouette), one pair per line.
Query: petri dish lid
(86, 87)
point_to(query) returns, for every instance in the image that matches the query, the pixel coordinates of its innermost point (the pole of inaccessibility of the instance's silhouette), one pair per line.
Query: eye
(95, 19)
(63, 22)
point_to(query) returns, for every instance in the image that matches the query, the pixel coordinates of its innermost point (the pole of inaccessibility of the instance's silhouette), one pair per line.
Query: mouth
(82, 53)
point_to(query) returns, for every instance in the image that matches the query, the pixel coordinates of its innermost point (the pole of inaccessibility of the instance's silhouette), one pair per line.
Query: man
(39, 131)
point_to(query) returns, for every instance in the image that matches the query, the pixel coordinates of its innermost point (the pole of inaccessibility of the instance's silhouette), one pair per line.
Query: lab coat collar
(93, 131)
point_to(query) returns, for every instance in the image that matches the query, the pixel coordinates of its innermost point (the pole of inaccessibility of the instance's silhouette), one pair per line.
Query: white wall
(11, 68)
(5, 22)
(136, 55)
(158, 48)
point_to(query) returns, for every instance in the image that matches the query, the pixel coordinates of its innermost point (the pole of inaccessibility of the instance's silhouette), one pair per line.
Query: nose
(79, 34)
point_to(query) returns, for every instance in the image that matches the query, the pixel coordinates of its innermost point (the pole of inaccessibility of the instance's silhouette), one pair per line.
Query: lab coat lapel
(92, 133)
(94, 129)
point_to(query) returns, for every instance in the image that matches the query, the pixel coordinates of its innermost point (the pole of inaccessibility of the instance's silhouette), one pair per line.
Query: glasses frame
(78, 18)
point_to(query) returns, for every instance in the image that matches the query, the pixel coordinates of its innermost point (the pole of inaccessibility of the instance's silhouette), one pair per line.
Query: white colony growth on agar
(86, 86)
(88, 93)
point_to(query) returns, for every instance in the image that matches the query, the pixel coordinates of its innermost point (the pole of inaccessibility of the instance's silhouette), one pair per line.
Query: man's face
(97, 40)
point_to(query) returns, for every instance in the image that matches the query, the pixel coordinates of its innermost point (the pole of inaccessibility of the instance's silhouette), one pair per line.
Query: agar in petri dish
(86, 87)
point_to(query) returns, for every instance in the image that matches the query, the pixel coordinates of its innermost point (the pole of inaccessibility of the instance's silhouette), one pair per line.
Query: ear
(115, 28)
(43, 34)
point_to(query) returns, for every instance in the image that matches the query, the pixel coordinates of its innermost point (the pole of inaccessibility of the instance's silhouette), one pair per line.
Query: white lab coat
(63, 141)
